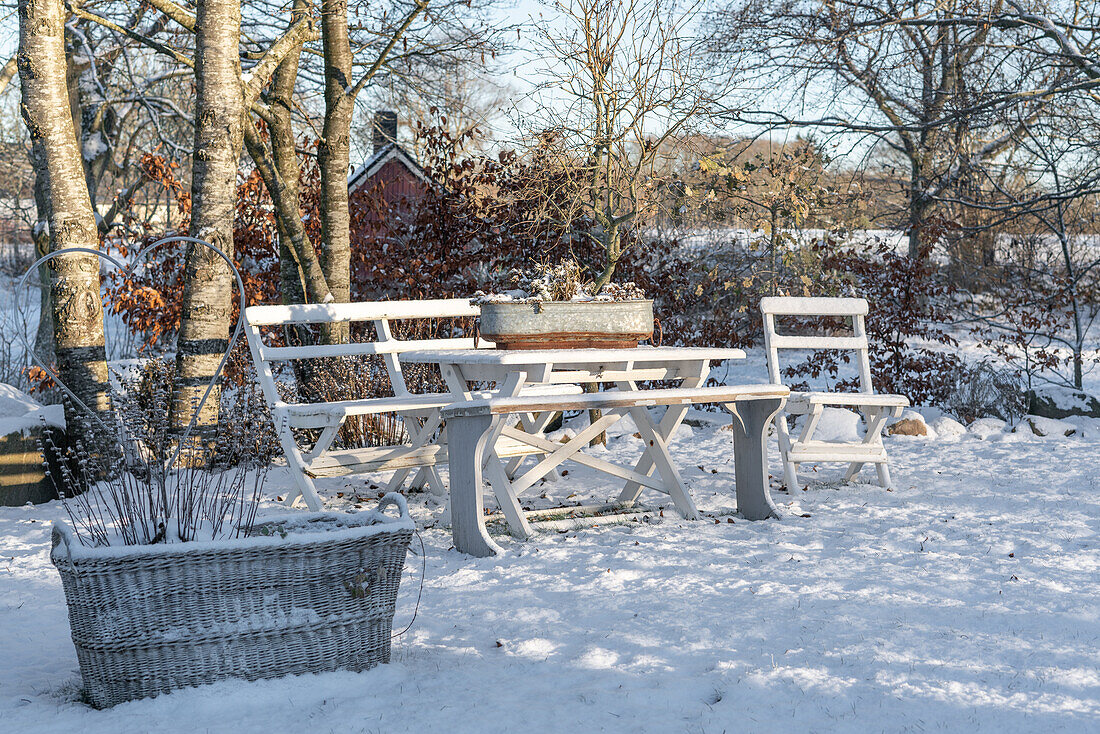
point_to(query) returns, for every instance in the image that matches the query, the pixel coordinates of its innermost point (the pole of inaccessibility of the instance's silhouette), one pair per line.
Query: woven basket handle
(57, 538)
(393, 498)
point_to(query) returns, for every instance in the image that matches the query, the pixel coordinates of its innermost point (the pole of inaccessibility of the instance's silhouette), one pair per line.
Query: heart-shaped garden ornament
(136, 264)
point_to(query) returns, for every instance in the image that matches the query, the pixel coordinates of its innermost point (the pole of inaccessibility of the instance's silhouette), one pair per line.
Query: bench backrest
(379, 313)
(854, 308)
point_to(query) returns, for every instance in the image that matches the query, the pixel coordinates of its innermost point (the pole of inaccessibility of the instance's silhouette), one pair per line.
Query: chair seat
(803, 401)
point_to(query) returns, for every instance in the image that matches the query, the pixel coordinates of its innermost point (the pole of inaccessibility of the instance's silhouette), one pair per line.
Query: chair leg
(790, 469)
(303, 484)
(853, 469)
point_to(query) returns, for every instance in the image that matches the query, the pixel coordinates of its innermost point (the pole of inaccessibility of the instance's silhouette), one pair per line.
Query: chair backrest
(380, 313)
(853, 308)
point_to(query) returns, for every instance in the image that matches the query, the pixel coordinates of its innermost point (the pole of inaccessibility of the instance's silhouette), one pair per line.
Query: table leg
(491, 466)
(657, 451)
(750, 456)
(533, 423)
(468, 442)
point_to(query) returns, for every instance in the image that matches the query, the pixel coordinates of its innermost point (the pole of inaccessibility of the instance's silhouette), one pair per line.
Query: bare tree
(1046, 297)
(930, 81)
(625, 80)
(219, 135)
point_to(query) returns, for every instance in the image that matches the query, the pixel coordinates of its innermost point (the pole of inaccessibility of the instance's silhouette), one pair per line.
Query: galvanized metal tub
(567, 324)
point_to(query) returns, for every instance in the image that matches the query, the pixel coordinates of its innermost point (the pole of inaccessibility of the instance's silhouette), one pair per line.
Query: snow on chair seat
(875, 408)
(419, 413)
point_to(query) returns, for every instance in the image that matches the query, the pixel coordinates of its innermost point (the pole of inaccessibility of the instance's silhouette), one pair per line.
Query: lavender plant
(143, 487)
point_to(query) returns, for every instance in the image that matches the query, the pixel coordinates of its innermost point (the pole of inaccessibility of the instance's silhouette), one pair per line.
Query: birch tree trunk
(301, 278)
(292, 288)
(74, 280)
(43, 340)
(334, 156)
(209, 290)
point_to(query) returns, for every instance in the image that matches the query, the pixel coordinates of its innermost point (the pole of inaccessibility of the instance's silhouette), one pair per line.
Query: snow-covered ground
(968, 599)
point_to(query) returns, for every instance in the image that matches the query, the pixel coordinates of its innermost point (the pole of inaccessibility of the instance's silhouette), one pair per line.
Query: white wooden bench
(875, 408)
(477, 424)
(420, 413)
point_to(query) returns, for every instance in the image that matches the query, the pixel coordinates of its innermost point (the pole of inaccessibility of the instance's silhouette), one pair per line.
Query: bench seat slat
(619, 399)
(319, 415)
(342, 462)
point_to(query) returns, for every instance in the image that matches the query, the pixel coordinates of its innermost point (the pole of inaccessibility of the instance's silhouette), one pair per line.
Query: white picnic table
(513, 370)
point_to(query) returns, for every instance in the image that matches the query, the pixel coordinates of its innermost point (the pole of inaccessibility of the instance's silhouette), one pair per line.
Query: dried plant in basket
(140, 485)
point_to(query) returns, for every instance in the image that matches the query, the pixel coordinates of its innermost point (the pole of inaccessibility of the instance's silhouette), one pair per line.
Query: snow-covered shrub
(985, 391)
(909, 314)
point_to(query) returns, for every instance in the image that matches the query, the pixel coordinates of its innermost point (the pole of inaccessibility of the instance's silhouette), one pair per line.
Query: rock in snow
(1055, 401)
(983, 428)
(1041, 426)
(911, 423)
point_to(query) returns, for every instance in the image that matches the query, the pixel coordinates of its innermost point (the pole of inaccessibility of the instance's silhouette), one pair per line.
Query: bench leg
(419, 434)
(295, 462)
(750, 456)
(466, 452)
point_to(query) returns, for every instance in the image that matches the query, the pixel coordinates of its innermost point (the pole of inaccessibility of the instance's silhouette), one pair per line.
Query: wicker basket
(303, 594)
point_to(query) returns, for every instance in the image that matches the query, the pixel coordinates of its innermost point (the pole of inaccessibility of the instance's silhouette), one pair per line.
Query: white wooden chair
(420, 413)
(875, 409)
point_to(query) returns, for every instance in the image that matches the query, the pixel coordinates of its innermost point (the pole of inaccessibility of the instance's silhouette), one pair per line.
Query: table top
(504, 357)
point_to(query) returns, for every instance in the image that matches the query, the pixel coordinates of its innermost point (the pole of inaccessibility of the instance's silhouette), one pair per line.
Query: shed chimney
(385, 129)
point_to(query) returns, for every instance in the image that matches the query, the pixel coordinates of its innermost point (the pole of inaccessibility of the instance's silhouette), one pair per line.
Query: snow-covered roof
(392, 152)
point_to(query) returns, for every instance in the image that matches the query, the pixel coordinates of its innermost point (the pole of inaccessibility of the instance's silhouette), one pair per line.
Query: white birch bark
(77, 306)
(209, 291)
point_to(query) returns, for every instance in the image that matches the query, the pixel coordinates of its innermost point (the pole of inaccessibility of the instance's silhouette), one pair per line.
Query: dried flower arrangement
(558, 283)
